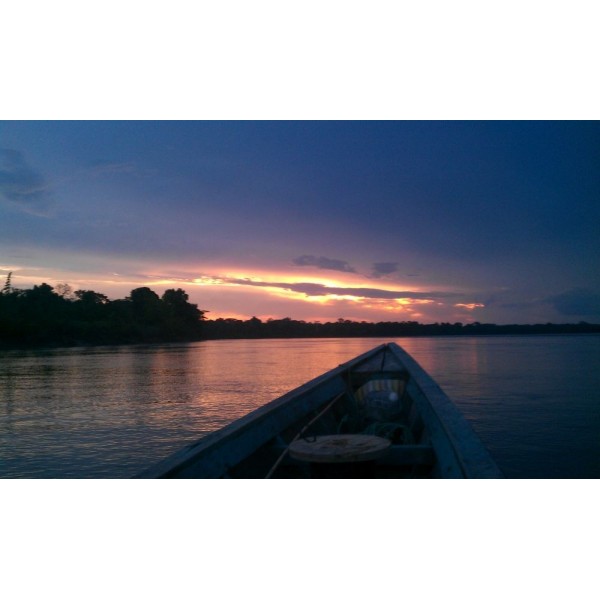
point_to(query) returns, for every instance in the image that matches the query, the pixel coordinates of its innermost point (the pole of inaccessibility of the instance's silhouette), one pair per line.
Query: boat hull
(430, 437)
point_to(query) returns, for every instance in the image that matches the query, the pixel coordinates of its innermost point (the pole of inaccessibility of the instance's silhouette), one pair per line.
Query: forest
(289, 328)
(44, 315)
(61, 316)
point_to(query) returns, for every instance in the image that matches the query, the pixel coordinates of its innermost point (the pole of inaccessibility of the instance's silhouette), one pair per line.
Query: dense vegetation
(288, 328)
(44, 315)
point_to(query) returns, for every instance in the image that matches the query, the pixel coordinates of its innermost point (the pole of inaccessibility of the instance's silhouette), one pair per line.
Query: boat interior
(374, 403)
(377, 416)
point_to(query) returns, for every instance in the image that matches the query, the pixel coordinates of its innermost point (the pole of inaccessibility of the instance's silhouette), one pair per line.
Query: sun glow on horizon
(341, 294)
(281, 278)
(277, 293)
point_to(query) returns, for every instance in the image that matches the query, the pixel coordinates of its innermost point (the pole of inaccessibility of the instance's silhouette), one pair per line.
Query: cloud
(470, 305)
(577, 301)
(384, 268)
(21, 185)
(318, 289)
(322, 262)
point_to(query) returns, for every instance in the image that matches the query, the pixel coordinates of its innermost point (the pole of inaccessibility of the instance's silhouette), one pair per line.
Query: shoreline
(482, 331)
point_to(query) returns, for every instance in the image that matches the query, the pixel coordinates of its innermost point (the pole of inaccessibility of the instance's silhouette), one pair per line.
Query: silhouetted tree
(44, 315)
(181, 317)
(7, 285)
(145, 303)
(64, 290)
(143, 296)
(91, 297)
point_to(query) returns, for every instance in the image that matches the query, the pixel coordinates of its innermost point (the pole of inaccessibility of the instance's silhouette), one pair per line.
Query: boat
(379, 415)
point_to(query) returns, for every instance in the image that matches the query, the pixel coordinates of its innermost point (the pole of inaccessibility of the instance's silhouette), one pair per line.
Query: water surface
(111, 411)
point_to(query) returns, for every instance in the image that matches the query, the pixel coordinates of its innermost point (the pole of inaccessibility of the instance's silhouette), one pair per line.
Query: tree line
(46, 315)
(290, 328)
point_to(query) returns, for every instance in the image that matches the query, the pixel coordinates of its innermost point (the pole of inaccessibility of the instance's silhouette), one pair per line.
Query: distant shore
(45, 317)
(226, 329)
(289, 328)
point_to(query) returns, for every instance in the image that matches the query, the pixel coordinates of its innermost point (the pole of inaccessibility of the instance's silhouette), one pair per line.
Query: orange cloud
(471, 306)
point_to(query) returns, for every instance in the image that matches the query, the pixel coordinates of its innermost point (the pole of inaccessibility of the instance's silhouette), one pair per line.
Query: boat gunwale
(185, 457)
(472, 457)
(459, 451)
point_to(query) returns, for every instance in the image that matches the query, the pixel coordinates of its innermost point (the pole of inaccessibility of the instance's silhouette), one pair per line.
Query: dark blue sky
(425, 220)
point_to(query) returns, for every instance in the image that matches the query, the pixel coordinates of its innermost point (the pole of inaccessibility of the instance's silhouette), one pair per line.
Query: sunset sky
(492, 221)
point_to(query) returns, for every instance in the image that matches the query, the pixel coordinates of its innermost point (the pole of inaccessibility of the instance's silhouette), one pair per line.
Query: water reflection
(111, 411)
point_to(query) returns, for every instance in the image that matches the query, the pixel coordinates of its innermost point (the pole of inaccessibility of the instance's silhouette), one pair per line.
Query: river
(108, 412)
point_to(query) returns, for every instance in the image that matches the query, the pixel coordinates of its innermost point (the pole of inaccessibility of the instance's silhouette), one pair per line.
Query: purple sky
(492, 221)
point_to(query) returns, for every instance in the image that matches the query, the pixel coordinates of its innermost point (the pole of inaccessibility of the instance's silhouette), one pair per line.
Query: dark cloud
(21, 185)
(384, 268)
(318, 289)
(321, 262)
(578, 301)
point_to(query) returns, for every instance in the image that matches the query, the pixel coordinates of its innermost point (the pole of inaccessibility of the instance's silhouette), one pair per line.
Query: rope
(299, 434)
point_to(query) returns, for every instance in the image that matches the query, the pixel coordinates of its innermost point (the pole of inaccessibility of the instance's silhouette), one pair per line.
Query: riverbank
(232, 329)
(288, 328)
